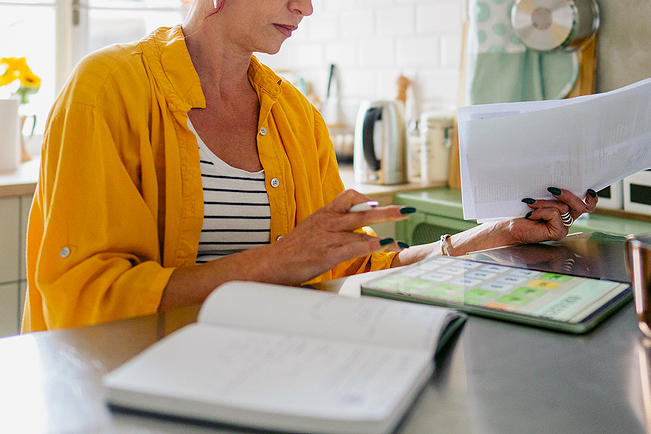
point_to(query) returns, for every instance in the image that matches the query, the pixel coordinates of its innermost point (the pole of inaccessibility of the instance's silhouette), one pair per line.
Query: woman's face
(263, 25)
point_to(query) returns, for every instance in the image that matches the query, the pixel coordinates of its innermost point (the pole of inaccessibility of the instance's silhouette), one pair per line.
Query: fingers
(369, 244)
(384, 214)
(307, 251)
(345, 200)
(339, 217)
(576, 206)
(566, 202)
(591, 200)
(332, 234)
(541, 224)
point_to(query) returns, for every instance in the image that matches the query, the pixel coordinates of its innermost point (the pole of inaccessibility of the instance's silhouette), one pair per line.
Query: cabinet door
(25, 205)
(426, 228)
(22, 294)
(9, 239)
(8, 309)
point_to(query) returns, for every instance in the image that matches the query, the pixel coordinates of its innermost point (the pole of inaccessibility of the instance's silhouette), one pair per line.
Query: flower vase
(25, 137)
(9, 135)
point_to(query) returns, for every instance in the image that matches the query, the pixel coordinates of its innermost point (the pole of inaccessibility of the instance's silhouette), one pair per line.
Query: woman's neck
(218, 61)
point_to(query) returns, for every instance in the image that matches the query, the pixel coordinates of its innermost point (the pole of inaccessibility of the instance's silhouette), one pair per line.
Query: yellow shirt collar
(170, 62)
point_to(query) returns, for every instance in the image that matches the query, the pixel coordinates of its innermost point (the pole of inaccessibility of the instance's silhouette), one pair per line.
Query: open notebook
(289, 359)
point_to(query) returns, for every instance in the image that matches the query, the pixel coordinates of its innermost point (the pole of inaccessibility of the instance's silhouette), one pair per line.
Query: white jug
(9, 135)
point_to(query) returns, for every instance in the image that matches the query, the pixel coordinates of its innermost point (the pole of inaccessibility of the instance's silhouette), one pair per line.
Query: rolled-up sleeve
(93, 246)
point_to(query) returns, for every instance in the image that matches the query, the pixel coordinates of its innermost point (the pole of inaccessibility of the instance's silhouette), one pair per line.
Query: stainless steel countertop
(496, 377)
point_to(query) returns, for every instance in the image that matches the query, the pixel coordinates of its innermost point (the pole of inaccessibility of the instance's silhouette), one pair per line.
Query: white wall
(372, 42)
(624, 43)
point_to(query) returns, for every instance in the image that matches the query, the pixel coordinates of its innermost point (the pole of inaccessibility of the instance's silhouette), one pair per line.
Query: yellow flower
(17, 69)
(29, 79)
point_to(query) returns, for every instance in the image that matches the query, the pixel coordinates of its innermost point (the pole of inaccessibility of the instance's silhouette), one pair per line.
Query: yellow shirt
(119, 203)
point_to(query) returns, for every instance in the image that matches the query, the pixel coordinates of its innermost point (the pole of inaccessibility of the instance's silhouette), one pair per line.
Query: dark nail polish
(386, 241)
(529, 200)
(555, 191)
(528, 214)
(592, 193)
(407, 210)
(403, 245)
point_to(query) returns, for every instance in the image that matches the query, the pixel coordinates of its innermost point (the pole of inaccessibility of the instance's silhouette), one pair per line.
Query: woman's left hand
(544, 223)
(551, 219)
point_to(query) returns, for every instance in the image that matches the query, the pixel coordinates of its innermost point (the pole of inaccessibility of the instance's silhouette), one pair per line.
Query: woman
(149, 142)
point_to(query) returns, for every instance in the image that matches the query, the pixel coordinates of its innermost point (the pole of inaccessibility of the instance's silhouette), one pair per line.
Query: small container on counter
(435, 143)
(343, 140)
(413, 151)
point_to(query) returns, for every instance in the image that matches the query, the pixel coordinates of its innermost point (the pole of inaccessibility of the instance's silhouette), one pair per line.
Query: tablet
(539, 298)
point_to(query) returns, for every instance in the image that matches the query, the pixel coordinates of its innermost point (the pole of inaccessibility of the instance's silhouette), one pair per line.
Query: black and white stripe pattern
(236, 208)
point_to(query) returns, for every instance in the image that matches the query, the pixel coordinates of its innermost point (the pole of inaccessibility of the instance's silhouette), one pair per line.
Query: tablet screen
(480, 287)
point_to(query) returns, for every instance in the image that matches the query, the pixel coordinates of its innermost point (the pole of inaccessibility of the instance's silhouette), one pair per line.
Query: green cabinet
(440, 212)
(14, 212)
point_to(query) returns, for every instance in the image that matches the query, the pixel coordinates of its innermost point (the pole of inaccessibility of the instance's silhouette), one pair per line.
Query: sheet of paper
(516, 150)
(268, 380)
(281, 309)
(353, 285)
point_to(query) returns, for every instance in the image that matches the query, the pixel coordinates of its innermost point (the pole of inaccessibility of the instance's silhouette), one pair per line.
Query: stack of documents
(512, 151)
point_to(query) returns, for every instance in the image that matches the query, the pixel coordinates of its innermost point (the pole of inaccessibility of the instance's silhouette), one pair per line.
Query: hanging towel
(502, 69)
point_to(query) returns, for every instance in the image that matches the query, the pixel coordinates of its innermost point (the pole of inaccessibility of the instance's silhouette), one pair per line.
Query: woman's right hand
(317, 244)
(328, 237)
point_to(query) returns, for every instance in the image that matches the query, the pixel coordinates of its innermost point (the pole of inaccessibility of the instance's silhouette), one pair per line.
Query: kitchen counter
(21, 182)
(495, 377)
(382, 193)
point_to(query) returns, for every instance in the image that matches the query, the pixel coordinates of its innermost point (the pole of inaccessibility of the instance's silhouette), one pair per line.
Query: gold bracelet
(445, 244)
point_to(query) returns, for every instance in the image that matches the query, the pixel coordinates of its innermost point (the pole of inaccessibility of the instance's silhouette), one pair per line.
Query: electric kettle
(380, 150)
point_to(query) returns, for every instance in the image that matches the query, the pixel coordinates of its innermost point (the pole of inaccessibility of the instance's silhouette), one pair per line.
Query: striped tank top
(236, 207)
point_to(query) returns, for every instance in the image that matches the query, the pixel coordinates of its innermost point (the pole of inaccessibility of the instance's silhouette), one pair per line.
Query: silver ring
(568, 265)
(567, 219)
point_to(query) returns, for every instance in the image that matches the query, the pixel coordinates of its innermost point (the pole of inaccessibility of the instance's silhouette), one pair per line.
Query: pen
(364, 206)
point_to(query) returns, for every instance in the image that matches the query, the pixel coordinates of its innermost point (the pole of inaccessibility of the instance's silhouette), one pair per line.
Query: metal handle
(627, 256)
(373, 115)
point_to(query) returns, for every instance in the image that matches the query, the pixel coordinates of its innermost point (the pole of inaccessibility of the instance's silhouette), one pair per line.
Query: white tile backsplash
(419, 51)
(451, 46)
(356, 24)
(308, 55)
(372, 42)
(396, 20)
(336, 5)
(374, 3)
(439, 17)
(326, 28)
(379, 52)
(440, 84)
(344, 54)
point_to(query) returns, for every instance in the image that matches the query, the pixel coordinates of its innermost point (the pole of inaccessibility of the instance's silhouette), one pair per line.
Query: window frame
(71, 35)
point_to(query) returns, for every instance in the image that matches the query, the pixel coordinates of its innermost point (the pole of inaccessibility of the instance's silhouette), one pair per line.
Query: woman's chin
(271, 50)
